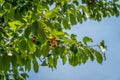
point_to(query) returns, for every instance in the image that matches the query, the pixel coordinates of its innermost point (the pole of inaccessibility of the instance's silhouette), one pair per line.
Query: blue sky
(109, 30)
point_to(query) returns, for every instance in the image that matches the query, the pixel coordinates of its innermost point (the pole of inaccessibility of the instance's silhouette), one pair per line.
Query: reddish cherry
(53, 39)
(53, 45)
(33, 39)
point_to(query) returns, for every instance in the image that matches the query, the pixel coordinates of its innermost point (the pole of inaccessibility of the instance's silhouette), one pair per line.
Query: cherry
(54, 45)
(34, 39)
(17, 41)
(53, 39)
(52, 42)
(49, 42)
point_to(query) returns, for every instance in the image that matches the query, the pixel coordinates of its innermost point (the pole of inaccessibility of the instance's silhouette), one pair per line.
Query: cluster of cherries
(53, 42)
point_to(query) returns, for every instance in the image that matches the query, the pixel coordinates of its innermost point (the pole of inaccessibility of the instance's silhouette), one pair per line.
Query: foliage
(32, 33)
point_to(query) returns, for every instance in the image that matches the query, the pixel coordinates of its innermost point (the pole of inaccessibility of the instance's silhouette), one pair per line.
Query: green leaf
(34, 28)
(49, 24)
(19, 61)
(73, 36)
(24, 75)
(73, 60)
(58, 26)
(69, 11)
(15, 24)
(84, 8)
(14, 61)
(79, 56)
(56, 51)
(51, 14)
(84, 57)
(38, 53)
(41, 7)
(1, 13)
(66, 24)
(99, 57)
(31, 46)
(28, 64)
(76, 2)
(73, 19)
(89, 53)
(102, 43)
(45, 50)
(62, 51)
(44, 63)
(35, 66)
(40, 32)
(79, 17)
(1, 1)
(27, 32)
(50, 62)
(41, 36)
(23, 46)
(5, 63)
(11, 14)
(74, 49)
(87, 39)
(7, 6)
(55, 61)
(59, 33)
(64, 59)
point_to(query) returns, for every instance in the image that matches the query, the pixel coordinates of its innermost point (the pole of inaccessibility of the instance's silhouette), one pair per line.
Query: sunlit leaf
(51, 14)
(15, 24)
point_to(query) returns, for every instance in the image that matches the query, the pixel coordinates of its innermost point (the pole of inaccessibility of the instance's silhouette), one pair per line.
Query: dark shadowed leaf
(24, 75)
(74, 49)
(44, 63)
(87, 39)
(66, 24)
(73, 19)
(34, 28)
(73, 36)
(27, 32)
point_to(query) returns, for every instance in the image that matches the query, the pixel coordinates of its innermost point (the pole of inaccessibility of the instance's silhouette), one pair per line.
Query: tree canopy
(32, 34)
